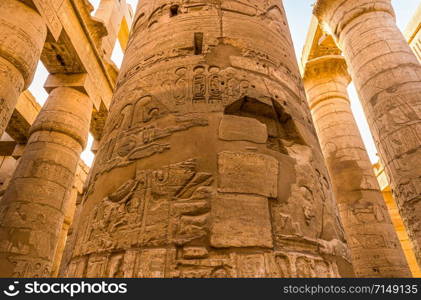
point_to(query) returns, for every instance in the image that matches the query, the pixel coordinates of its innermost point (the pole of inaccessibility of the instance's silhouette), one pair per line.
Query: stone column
(70, 214)
(112, 13)
(387, 76)
(209, 165)
(33, 207)
(375, 248)
(22, 36)
(68, 218)
(70, 240)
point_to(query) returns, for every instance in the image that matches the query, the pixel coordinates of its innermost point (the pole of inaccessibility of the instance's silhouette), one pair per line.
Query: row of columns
(386, 74)
(373, 242)
(33, 208)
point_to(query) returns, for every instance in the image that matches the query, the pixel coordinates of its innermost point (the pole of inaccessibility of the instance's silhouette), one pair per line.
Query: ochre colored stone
(241, 221)
(387, 76)
(248, 173)
(235, 128)
(75, 51)
(22, 35)
(33, 206)
(375, 248)
(209, 165)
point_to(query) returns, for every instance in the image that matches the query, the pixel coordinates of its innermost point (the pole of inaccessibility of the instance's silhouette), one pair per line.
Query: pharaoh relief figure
(209, 165)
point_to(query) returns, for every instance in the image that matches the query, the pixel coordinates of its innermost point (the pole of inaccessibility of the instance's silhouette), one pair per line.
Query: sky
(299, 16)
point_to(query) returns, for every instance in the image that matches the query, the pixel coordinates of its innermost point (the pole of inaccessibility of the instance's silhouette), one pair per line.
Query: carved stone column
(22, 36)
(70, 214)
(374, 245)
(387, 76)
(209, 165)
(33, 207)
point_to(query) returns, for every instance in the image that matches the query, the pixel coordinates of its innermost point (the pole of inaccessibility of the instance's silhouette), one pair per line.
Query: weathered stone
(400, 228)
(248, 173)
(75, 44)
(195, 252)
(208, 165)
(387, 76)
(22, 36)
(32, 209)
(187, 181)
(69, 210)
(234, 128)
(361, 205)
(241, 221)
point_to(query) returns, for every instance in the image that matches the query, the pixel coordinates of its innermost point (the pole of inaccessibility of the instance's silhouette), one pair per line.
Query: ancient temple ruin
(217, 153)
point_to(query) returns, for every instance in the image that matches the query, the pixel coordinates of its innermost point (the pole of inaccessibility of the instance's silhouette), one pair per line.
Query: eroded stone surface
(248, 173)
(173, 170)
(364, 214)
(32, 208)
(234, 128)
(209, 165)
(22, 36)
(241, 221)
(387, 76)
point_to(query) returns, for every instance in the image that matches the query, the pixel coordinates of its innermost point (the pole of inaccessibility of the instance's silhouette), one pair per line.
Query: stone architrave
(387, 76)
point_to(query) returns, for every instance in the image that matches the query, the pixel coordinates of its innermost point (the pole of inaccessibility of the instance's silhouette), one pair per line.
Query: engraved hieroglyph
(33, 207)
(209, 165)
(375, 248)
(387, 76)
(22, 36)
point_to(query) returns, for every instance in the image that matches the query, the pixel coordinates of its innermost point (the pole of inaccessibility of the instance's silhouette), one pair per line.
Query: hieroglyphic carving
(137, 213)
(22, 35)
(204, 84)
(235, 128)
(285, 265)
(26, 268)
(32, 209)
(389, 88)
(5, 113)
(232, 99)
(47, 10)
(134, 125)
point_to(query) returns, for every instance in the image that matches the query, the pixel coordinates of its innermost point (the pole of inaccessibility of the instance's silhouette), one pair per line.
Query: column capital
(326, 78)
(335, 15)
(328, 66)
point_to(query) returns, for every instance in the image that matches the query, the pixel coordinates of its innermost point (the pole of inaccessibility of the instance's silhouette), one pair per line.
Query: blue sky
(299, 15)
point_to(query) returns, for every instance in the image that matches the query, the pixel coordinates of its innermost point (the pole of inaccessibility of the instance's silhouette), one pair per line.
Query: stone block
(248, 173)
(235, 128)
(241, 221)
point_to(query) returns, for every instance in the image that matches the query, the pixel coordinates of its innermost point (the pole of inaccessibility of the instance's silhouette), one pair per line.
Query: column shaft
(209, 165)
(22, 37)
(33, 207)
(375, 248)
(387, 76)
